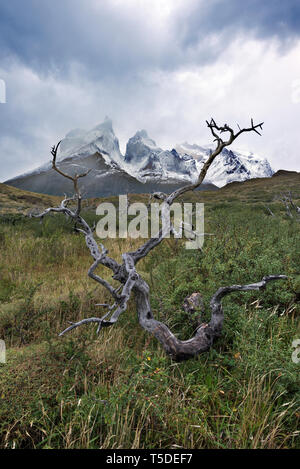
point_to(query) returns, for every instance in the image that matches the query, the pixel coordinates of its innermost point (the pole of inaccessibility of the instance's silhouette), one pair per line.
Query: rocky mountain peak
(140, 147)
(144, 166)
(105, 126)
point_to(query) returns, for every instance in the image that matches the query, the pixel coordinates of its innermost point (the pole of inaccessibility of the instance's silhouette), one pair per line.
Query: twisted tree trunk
(130, 280)
(205, 334)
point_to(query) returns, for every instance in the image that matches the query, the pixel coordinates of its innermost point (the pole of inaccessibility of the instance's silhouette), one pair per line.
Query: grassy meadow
(119, 389)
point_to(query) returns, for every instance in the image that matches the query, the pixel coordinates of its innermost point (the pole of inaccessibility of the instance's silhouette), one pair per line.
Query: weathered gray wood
(130, 280)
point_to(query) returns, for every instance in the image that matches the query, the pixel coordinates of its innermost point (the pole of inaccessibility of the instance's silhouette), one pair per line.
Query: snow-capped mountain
(230, 166)
(78, 145)
(100, 139)
(151, 162)
(144, 168)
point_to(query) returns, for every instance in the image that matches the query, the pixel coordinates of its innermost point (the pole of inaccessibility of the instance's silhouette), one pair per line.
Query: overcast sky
(162, 65)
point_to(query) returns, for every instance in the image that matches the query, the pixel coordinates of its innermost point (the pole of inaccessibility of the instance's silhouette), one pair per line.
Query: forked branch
(74, 178)
(130, 280)
(292, 210)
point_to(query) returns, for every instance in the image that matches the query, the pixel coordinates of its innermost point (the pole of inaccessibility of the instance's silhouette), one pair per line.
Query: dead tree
(292, 210)
(131, 282)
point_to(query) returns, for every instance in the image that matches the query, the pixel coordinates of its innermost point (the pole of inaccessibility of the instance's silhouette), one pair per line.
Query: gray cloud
(122, 38)
(69, 63)
(261, 19)
(106, 38)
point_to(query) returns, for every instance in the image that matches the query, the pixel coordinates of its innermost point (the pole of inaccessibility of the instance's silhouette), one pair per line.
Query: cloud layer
(165, 66)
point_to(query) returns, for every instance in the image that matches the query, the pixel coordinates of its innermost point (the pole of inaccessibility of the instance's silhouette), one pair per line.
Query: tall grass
(119, 390)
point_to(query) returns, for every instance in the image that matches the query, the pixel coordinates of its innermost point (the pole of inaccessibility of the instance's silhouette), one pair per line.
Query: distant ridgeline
(144, 168)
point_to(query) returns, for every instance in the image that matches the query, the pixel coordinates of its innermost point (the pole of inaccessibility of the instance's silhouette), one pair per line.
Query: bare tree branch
(221, 144)
(292, 210)
(130, 280)
(74, 179)
(269, 210)
(205, 335)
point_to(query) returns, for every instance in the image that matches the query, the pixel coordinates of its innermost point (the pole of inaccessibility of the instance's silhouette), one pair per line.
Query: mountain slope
(14, 200)
(260, 190)
(151, 162)
(103, 180)
(145, 167)
(231, 165)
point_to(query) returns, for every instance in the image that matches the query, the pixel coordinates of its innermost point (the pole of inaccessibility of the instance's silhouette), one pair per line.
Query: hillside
(259, 190)
(263, 189)
(14, 200)
(119, 389)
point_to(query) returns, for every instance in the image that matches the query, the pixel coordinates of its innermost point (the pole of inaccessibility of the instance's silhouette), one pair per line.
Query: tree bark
(130, 280)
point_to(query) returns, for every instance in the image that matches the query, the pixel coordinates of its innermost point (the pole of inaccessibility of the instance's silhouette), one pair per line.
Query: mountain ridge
(145, 167)
(259, 190)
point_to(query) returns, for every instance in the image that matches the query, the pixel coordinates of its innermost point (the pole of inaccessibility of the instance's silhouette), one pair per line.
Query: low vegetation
(88, 391)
